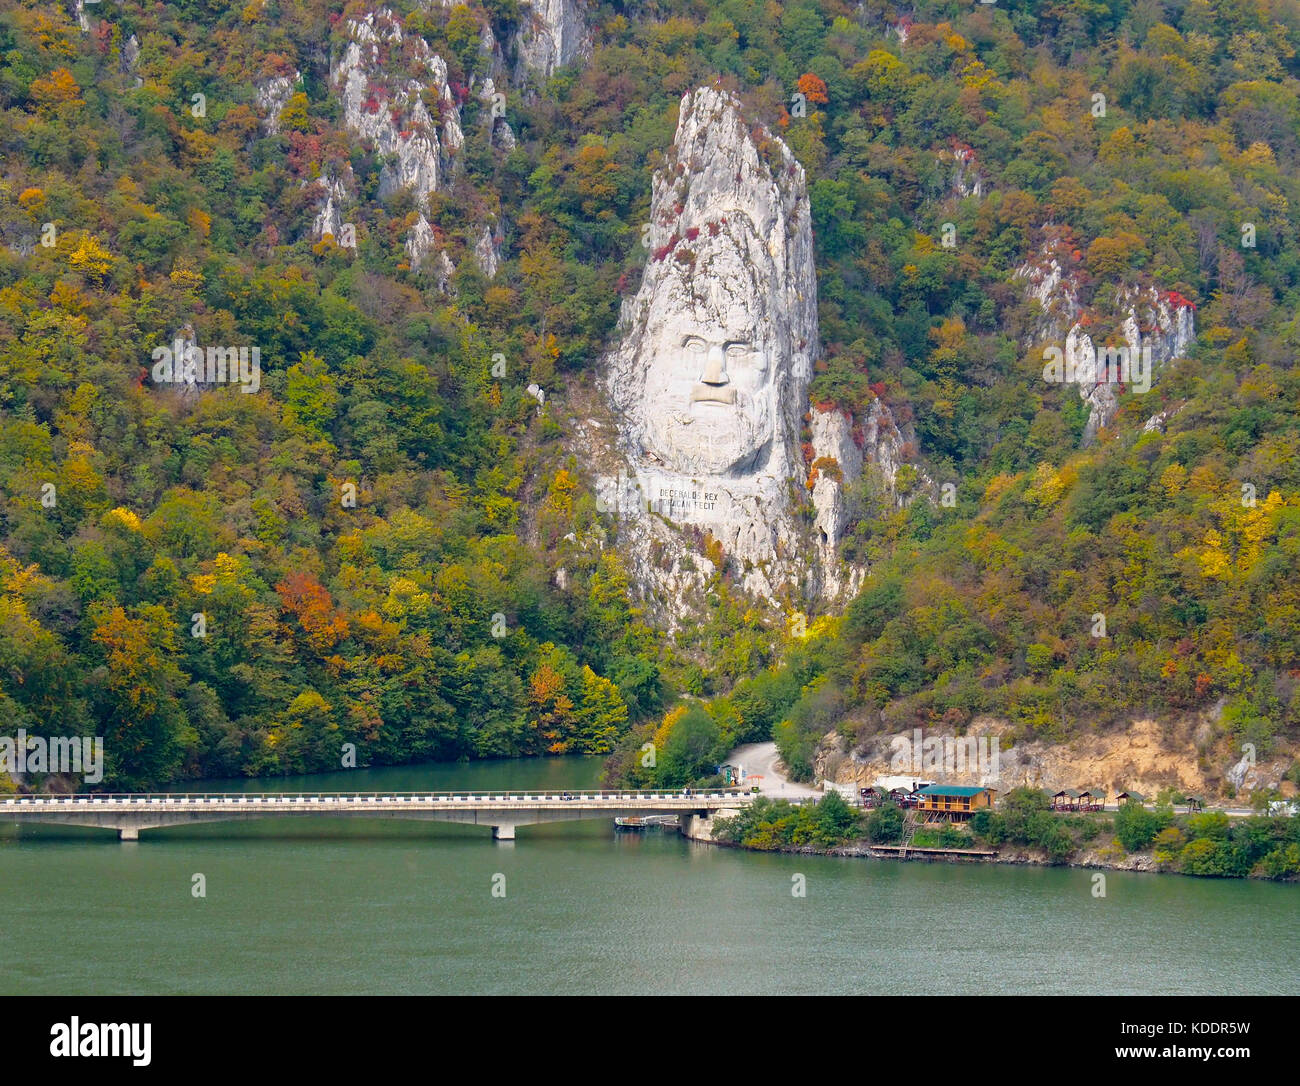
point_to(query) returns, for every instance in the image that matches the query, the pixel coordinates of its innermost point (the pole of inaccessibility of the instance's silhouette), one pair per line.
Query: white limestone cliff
(710, 379)
(551, 34)
(329, 212)
(384, 104)
(487, 252)
(1151, 327)
(272, 95)
(837, 460)
(1154, 330)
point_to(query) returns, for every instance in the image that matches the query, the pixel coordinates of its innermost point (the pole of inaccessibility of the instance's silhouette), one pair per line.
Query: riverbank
(1019, 857)
(1024, 831)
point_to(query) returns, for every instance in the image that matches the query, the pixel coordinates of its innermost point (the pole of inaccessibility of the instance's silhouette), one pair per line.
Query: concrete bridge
(129, 813)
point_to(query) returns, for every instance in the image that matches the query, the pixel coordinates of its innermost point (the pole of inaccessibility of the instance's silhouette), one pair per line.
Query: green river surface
(339, 906)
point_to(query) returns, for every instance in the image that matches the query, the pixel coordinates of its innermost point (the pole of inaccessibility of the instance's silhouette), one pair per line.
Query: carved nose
(714, 374)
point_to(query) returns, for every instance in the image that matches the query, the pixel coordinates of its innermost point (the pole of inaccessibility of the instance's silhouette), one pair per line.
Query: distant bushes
(1215, 846)
(1026, 820)
(884, 825)
(770, 825)
(1136, 827)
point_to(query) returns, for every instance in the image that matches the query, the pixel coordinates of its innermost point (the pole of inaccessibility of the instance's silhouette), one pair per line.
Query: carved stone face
(714, 372)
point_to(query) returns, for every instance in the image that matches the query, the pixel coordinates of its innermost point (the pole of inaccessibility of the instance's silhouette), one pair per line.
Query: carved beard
(712, 439)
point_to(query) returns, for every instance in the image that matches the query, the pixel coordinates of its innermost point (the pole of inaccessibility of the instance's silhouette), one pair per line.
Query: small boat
(645, 822)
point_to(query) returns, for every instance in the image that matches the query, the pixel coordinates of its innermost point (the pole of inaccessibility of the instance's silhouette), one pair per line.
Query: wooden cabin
(950, 802)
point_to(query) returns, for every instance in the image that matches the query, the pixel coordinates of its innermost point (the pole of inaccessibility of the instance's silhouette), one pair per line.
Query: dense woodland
(427, 621)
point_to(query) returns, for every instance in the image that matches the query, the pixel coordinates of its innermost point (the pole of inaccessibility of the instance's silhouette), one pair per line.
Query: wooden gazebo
(1067, 799)
(1092, 799)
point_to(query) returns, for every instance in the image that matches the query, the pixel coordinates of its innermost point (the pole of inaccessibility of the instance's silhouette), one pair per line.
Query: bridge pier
(128, 833)
(503, 833)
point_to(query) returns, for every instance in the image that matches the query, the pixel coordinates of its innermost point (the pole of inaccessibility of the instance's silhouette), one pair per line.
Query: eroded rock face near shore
(1146, 757)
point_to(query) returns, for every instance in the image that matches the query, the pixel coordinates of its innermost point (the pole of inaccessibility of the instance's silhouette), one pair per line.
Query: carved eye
(695, 345)
(745, 355)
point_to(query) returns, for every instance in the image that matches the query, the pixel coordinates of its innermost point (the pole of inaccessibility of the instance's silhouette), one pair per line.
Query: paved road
(761, 759)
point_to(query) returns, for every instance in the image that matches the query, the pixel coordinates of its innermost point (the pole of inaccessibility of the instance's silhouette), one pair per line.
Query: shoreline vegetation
(1023, 830)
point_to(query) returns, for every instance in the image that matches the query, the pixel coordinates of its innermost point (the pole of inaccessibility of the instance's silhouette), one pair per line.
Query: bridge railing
(514, 796)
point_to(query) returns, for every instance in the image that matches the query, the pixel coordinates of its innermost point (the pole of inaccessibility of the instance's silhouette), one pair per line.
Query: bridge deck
(108, 803)
(129, 813)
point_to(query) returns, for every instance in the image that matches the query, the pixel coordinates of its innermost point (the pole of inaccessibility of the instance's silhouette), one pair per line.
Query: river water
(339, 906)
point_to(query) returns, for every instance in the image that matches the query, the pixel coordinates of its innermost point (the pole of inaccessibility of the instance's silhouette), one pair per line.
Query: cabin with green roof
(951, 802)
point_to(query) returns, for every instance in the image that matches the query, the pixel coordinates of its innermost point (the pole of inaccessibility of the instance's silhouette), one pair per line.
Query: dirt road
(760, 759)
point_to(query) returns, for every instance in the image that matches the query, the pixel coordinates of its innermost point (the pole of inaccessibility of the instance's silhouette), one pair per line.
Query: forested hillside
(388, 542)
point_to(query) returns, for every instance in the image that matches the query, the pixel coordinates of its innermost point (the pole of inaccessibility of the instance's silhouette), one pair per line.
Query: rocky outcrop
(420, 242)
(487, 252)
(500, 133)
(843, 448)
(130, 58)
(837, 460)
(965, 177)
(710, 378)
(443, 270)
(383, 80)
(1156, 327)
(551, 34)
(272, 96)
(329, 215)
(1148, 328)
(1052, 280)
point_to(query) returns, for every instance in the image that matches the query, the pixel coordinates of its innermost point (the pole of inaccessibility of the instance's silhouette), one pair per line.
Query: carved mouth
(711, 394)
